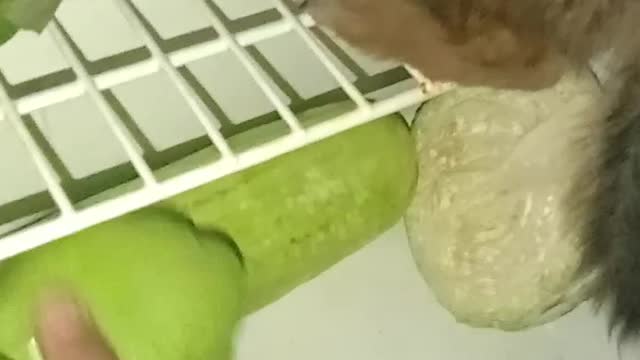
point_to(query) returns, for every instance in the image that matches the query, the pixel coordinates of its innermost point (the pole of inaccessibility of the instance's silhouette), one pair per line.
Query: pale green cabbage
(31, 15)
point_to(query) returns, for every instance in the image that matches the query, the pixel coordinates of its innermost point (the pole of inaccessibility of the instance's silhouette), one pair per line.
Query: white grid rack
(70, 219)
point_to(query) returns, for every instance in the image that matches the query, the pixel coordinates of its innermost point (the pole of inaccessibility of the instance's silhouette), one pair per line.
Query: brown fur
(492, 56)
(530, 44)
(504, 43)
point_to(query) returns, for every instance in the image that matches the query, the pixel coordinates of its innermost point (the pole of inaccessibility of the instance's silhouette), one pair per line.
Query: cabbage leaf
(30, 15)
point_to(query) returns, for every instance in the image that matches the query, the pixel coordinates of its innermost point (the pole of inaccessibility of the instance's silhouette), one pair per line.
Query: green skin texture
(157, 288)
(296, 215)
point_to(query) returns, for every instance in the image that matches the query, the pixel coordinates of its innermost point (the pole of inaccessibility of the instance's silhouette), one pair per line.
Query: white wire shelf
(94, 85)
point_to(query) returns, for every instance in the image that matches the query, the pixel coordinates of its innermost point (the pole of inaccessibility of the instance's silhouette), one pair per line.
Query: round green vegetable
(492, 227)
(158, 288)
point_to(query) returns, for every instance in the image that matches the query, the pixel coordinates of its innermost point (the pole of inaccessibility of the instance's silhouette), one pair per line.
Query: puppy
(530, 44)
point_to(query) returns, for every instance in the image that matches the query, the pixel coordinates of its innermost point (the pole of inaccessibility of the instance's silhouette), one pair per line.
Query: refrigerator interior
(373, 305)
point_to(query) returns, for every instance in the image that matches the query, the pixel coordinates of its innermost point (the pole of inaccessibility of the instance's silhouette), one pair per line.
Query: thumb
(65, 332)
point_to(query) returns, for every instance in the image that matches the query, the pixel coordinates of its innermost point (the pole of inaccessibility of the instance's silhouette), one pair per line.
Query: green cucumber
(298, 214)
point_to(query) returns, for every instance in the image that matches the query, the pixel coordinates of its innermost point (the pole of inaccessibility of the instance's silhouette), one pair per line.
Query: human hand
(66, 332)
